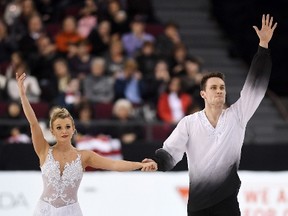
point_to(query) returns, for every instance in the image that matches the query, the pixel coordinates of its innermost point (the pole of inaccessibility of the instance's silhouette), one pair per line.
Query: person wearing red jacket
(173, 104)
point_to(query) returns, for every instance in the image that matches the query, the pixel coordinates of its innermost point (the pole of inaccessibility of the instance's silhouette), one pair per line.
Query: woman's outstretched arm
(40, 144)
(94, 160)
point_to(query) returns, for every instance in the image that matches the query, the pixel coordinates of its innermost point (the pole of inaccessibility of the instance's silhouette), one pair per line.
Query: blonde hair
(59, 112)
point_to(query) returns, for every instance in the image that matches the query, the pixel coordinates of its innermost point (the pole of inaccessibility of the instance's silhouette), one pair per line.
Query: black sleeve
(163, 159)
(255, 86)
(260, 68)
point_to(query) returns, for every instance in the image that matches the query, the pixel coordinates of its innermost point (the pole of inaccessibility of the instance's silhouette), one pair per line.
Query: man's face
(215, 92)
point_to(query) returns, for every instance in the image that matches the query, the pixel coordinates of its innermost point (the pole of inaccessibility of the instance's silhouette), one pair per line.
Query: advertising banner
(142, 194)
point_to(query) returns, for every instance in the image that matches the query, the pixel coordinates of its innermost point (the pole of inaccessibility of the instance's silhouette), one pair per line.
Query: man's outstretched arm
(261, 64)
(259, 73)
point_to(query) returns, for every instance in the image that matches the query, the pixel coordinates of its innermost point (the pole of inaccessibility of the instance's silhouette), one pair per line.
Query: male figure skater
(213, 138)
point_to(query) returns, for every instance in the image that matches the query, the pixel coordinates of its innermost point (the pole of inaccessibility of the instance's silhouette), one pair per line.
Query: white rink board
(143, 194)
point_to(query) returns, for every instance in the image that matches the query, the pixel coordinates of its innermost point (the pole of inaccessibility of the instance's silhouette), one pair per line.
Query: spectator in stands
(17, 137)
(72, 51)
(85, 118)
(115, 57)
(178, 59)
(6, 44)
(117, 17)
(28, 43)
(126, 128)
(62, 77)
(88, 19)
(42, 68)
(53, 160)
(13, 133)
(85, 125)
(47, 53)
(18, 22)
(31, 84)
(28, 10)
(71, 98)
(80, 63)
(166, 41)
(68, 35)
(147, 59)
(97, 86)
(100, 38)
(134, 40)
(15, 62)
(157, 84)
(12, 11)
(173, 105)
(13, 111)
(192, 79)
(128, 83)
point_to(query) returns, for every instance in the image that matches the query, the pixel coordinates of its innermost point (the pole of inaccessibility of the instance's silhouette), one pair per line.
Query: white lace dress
(59, 197)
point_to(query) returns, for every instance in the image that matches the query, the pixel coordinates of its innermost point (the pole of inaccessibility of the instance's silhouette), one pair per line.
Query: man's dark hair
(208, 76)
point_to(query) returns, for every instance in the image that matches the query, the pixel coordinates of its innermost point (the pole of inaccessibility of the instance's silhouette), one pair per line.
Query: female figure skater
(62, 165)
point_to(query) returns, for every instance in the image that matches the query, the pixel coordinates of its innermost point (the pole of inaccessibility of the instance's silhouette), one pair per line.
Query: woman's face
(63, 129)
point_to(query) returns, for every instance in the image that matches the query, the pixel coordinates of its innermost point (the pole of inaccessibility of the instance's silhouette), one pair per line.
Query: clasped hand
(149, 165)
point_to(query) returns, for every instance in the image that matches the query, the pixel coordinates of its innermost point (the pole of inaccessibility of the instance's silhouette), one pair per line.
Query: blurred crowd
(101, 59)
